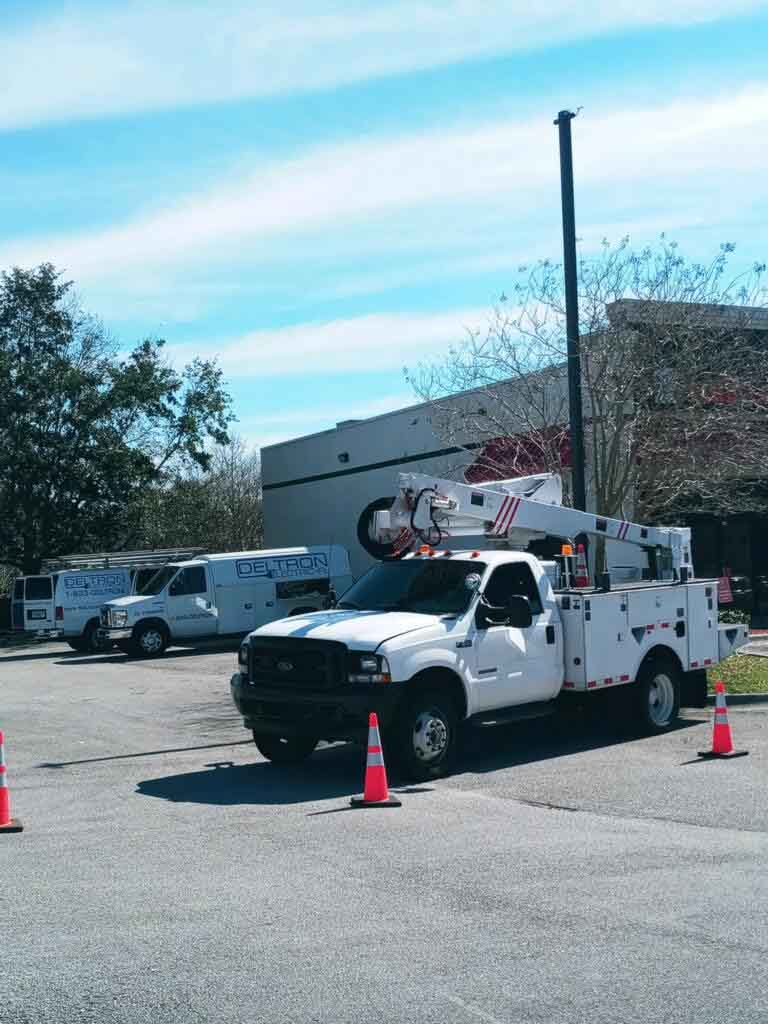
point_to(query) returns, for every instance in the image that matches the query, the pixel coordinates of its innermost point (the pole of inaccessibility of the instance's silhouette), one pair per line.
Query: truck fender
(438, 676)
(659, 651)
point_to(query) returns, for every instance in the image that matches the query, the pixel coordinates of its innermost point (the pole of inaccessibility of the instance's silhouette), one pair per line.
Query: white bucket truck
(64, 601)
(224, 595)
(432, 637)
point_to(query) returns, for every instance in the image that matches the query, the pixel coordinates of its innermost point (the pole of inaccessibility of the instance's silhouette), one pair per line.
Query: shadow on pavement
(329, 772)
(70, 658)
(142, 753)
(338, 770)
(491, 749)
(120, 658)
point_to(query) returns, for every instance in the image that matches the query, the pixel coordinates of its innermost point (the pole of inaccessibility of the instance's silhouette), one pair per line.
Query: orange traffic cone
(722, 741)
(7, 823)
(581, 576)
(376, 789)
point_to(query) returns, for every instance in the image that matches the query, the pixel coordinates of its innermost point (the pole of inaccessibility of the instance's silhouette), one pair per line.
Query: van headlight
(368, 668)
(119, 617)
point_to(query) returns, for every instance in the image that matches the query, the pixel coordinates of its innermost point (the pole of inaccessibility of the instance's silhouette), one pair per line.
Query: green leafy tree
(85, 431)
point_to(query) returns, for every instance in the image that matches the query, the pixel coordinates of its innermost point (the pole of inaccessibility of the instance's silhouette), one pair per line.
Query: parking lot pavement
(563, 874)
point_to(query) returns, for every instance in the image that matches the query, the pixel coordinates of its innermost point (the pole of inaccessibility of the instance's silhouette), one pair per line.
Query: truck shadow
(337, 770)
(492, 749)
(120, 658)
(72, 658)
(332, 771)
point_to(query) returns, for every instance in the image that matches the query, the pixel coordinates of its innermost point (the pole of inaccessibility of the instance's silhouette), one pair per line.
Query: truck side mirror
(331, 599)
(517, 613)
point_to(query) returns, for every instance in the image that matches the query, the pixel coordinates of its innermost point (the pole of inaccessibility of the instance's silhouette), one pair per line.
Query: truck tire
(78, 644)
(424, 737)
(656, 703)
(149, 640)
(284, 749)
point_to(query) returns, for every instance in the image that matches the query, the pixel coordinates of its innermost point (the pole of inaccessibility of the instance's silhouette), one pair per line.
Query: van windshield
(433, 587)
(160, 580)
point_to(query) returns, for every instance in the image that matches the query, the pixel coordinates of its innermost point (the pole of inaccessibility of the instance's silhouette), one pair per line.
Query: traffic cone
(7, 823)
(581, 576)
(722, 741)
(376, 793)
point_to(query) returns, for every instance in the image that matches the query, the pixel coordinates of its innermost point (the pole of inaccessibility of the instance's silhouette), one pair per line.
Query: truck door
(38, 603)
(191, 608)
(513, 665)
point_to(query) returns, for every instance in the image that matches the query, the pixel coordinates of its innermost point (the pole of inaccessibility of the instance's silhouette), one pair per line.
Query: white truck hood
(361, 631)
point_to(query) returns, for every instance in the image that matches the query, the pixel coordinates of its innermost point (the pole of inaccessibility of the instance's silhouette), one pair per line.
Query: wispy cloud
(381, 341)
(502, 165)
(89, 61)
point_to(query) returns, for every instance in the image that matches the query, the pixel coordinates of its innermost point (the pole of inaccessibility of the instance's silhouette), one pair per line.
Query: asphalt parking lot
(563, 874)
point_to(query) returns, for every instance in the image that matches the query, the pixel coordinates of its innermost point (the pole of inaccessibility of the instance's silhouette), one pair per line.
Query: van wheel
(657, 696)
(149, 641)
(284, 749)
(424, 737)
(90, 639)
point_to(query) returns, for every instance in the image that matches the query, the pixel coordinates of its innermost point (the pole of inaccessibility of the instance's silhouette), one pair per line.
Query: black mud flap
(693, 691)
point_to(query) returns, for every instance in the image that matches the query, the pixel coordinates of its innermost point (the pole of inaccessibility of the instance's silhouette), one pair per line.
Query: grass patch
(741, 673)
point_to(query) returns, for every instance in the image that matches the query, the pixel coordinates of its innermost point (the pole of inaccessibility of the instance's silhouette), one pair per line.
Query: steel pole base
(359, 801)
(710, 755)
(14, 825)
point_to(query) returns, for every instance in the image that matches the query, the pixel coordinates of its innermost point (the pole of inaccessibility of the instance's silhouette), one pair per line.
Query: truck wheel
(149, 641)
(78, 644)
(657, 696)
(284, 749)
(424, 736)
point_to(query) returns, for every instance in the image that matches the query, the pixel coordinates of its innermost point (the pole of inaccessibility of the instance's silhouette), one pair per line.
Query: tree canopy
(86, 429)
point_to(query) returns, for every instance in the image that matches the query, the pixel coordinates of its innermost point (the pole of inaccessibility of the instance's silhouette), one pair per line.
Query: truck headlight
(369, 668)
(242, 655)
(119, 618)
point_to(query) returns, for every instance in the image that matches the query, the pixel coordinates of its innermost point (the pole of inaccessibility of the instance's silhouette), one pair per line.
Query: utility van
(65, 601)
(224, 595)
(432, 637)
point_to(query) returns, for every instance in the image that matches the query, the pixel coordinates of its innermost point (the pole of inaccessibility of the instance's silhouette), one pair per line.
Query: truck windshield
(416, 585)
(160, 580)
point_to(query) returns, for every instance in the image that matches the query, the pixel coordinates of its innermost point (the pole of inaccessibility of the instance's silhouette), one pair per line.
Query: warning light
(566, 549)
(475, 554)
(424, 549)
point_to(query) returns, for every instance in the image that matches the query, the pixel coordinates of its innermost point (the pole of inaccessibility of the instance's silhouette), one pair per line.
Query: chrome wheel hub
(151, 641)
(661, 699)
(430, 736)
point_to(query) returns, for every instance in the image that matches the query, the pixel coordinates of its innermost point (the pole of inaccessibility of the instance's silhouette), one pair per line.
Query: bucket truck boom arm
(427, 510)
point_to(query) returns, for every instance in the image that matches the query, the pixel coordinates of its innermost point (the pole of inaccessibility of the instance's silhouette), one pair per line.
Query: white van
(66, 604)
(224, 595)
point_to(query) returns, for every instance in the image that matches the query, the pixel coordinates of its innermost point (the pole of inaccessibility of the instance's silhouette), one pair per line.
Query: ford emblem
(285, 666)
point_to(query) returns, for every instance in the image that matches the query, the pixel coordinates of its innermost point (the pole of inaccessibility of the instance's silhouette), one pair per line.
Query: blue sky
(321, 193)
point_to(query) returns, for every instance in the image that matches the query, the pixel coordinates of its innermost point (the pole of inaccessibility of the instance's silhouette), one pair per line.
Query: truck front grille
(297, 663)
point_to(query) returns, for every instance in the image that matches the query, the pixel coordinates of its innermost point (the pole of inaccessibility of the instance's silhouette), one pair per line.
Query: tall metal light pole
(563, 122)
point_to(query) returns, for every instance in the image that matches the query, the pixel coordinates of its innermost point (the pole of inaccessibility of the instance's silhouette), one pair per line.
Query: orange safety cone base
(360, 801)
(14, 825)
(711, 755)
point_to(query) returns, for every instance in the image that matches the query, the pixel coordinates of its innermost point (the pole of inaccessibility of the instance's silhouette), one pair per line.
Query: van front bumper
(108, 633)
(338, 714)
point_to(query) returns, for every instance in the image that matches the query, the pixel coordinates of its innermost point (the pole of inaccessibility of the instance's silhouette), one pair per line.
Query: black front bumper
(337, 714)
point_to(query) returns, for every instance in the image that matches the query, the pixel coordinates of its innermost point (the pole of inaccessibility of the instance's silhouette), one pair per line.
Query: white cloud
(379, 341)
(91, 61)
(507, 167)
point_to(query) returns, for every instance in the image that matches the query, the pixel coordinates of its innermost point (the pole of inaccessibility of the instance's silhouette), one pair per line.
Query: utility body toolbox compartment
(608, 634)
